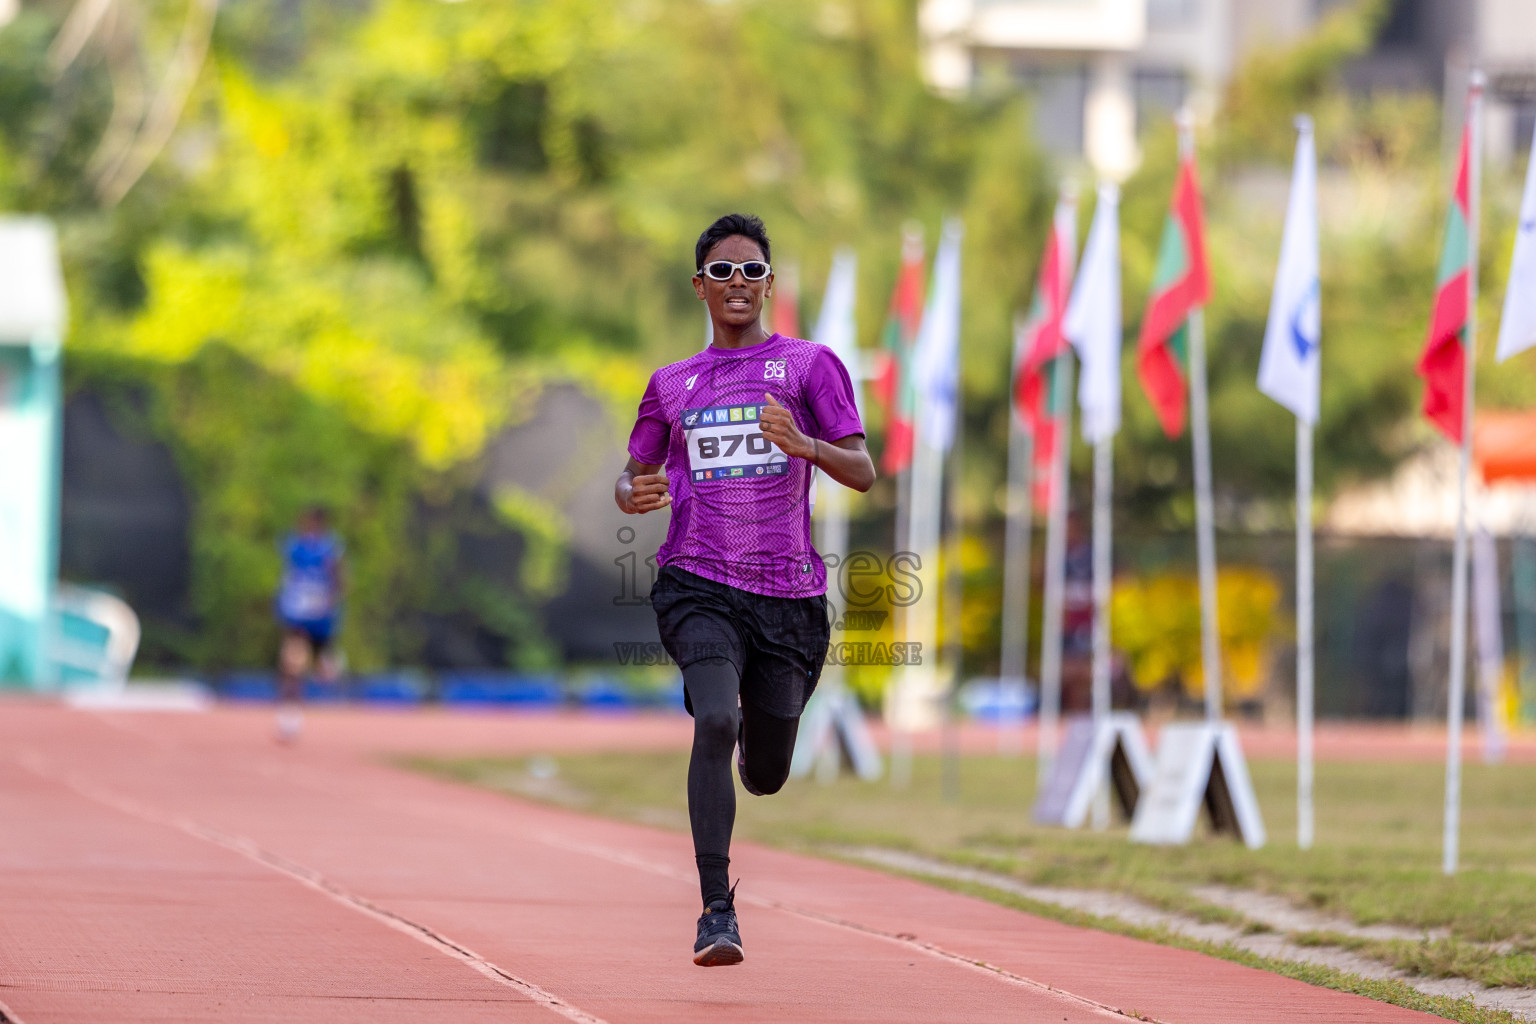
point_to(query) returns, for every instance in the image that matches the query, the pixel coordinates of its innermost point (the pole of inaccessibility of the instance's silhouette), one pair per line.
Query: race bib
(303, 598)
(724, 442)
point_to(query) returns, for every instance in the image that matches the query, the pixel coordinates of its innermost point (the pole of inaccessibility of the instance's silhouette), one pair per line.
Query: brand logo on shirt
(689, 383)
(773, 369)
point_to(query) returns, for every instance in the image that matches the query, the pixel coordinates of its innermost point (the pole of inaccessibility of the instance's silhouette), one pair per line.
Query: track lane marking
(903, 940)
(312, 879)
(305, 776)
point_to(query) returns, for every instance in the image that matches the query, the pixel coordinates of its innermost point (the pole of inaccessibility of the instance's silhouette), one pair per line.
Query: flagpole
(953, 638)
(1304, 640)
(1051, 638)
(1016, 559)
(1103, 565)
(1458, 685)
(1200, 432)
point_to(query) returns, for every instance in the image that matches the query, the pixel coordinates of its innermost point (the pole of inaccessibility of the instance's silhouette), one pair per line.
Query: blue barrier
(392, 688)
(499, 689)
(248, 686)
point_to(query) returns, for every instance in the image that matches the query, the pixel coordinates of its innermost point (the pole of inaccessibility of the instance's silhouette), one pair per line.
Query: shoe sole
(723, 953)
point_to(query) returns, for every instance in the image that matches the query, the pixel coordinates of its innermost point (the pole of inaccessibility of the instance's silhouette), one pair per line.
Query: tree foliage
(382, 227)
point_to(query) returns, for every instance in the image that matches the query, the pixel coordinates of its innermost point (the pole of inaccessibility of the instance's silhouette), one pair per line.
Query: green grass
(1514, 966)
(1376, 857)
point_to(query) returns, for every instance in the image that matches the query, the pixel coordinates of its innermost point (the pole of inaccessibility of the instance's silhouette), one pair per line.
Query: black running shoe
(741, 760)
(719, 942)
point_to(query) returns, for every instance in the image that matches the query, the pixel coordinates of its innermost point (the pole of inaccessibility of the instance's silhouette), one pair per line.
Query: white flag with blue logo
(834, 325)
(1092, 323)
(1517, 328)
(936, 360)
(1288, 367)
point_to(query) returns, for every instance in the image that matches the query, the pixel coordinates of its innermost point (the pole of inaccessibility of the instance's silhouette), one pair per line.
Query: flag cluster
(1085, 315)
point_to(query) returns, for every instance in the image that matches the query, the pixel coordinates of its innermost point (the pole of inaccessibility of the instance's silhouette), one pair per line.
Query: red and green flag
(1181, 283)
(1444, 362)
(893, 386)
(1038, 347)
(784, 315)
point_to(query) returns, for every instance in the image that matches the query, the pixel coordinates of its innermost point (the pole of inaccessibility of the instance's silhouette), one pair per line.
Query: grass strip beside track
(1376, 859)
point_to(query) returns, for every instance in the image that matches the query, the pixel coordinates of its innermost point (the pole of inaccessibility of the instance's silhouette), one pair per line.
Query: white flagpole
(1200, 433)
(835, 329)
(1458, 686)
(1304, 599)
(1016, 558)
(1289, 373)
(1051, 638)
(954, 597)
(1103, 567)
(1053, 596)
(936, 362)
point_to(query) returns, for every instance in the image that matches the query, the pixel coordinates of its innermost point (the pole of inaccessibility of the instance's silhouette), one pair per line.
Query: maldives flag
(1038, 344)
(893, 388)
(1180, 284)
(1444, 362)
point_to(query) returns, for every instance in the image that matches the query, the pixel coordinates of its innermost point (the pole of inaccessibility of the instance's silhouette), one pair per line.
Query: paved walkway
(185, 868)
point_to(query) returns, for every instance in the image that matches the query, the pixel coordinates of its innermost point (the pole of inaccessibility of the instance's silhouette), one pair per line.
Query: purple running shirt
(741, 508)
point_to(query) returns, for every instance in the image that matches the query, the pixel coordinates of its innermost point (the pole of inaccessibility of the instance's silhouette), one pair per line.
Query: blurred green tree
(380, 228)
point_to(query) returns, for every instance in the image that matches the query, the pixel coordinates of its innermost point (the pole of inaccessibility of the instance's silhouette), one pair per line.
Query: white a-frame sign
(834, 735)
(1092, 753)
(1198, 764)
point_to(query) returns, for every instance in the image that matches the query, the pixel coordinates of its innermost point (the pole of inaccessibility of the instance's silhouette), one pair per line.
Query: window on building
(1159, 93)
(1058, 96)
(1163, 14)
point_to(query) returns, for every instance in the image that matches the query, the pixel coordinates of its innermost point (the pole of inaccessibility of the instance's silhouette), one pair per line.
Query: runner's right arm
(642, 487)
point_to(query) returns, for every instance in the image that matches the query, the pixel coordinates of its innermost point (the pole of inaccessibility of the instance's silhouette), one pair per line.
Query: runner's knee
(714, 729)
(770, 743)
(768, 779)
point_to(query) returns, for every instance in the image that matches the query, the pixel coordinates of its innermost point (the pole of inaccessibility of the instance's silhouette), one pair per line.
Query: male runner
(731, 439)
(308, 609)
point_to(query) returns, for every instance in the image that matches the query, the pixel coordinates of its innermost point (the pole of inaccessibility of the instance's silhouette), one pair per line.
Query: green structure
(32, 323)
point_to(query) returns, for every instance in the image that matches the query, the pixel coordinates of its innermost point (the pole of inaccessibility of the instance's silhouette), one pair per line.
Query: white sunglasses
(724, 270)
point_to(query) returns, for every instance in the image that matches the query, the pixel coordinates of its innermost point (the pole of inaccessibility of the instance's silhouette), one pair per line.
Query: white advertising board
(1111, 751)
(1199, 764)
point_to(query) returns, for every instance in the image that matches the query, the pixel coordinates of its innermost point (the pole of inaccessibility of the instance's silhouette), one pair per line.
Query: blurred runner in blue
(309, 610)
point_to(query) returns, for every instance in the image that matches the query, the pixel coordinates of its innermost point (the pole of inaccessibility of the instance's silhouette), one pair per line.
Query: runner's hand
(778, 426)
(647, 493)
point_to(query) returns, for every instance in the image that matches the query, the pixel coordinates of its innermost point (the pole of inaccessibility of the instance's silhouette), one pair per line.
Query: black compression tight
(713, 689)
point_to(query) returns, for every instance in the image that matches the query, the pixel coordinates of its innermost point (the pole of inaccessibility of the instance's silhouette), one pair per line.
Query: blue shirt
(309, 588)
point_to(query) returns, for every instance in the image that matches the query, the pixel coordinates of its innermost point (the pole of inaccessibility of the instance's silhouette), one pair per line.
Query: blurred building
(1102, 70)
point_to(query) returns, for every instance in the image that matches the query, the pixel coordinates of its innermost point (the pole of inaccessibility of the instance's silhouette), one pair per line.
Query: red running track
(185, 868)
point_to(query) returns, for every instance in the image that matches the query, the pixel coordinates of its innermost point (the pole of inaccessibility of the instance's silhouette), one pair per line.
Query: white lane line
(8, 1015)
(316, 881)
(905, 941)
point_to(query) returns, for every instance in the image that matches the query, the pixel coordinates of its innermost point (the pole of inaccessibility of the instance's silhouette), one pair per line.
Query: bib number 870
(709, 446)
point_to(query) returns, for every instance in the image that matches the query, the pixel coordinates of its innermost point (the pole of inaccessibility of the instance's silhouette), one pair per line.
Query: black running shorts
(778, 644)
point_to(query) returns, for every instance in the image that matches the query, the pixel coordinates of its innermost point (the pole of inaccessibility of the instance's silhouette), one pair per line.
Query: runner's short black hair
(743, 224)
